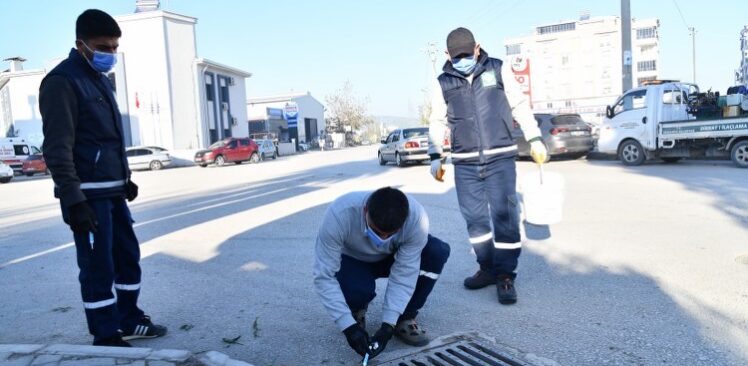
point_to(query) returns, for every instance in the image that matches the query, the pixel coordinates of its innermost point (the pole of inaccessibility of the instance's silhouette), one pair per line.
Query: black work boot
(505, 288)
(479, 280)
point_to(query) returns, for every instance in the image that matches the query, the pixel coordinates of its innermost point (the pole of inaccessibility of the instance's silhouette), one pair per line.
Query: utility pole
(626, 55)
(692, 31)
(431, 52)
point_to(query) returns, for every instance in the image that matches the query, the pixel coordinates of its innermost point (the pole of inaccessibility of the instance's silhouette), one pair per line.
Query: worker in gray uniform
(369, 235)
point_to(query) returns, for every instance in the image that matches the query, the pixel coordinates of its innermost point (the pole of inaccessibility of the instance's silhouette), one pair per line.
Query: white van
(14, 150)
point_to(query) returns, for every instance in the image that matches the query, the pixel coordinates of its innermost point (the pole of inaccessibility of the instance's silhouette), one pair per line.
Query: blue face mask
(465, 65)
(102, 61)
(375, 239)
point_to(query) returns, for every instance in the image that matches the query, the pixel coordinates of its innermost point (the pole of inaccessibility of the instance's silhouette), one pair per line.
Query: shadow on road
(258, 285)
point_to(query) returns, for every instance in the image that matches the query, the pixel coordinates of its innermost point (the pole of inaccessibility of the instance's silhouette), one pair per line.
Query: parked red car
(236, 150)
(34, 164)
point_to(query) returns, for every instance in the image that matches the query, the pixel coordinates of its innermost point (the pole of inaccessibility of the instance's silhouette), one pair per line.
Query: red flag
(137, 101)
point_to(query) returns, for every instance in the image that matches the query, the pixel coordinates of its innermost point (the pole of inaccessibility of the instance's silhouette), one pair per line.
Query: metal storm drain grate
(460, 351)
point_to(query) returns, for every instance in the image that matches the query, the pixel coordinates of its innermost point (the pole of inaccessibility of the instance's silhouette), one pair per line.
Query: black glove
(357, 338)
(82, 218)
(131, 191)
(380, 339)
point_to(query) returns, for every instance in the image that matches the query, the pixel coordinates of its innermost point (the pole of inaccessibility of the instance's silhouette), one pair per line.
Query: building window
(568, 104)
(549, 105)
(513, 49)
(647, 48)
(556, 28)
(564, 60)
(645, 33)
(646, 65)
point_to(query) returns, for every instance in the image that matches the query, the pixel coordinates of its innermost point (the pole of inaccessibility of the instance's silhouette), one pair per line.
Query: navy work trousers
(112, 258)
(488, 201)
(358, 279)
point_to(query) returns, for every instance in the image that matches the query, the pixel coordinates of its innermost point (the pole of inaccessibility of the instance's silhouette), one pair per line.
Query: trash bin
(543, 197)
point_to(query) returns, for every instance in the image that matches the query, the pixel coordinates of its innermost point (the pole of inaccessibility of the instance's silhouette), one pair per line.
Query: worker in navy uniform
(479, 100)
(85, 151)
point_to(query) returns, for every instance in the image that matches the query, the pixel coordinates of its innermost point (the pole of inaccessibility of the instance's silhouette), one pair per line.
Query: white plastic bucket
(543, 196)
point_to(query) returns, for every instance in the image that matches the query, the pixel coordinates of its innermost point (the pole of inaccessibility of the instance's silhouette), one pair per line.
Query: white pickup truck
(653, 122)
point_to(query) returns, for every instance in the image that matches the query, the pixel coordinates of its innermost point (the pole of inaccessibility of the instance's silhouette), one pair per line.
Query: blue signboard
(275, 113)
(292, 114)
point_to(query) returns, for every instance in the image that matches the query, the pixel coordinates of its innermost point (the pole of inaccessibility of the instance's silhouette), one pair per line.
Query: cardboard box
(732, 111)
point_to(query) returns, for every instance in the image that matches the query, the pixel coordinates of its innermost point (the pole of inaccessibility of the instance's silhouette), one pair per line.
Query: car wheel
(399, 161)
(254, 159)
(275, 155)
(381, 159)
(739, 154)
(262, 157)
(671, 160)
(5, 180)
(631, 153)
(155, 165)
(220, 160)
(203, 165)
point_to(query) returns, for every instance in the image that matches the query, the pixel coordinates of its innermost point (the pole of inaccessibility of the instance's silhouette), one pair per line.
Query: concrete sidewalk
(75, 355)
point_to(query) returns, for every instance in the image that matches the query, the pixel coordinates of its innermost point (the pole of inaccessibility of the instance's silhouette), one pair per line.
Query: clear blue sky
(318, 45)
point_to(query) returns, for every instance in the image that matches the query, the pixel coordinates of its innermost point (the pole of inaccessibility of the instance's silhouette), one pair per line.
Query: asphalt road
(645, 269)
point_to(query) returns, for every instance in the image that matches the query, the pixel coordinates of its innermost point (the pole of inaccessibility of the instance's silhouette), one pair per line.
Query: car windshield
(565, 120)
(415, 132)
(217, 144)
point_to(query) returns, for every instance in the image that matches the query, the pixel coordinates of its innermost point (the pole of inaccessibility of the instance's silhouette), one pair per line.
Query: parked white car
(6, 173)
(147, 157)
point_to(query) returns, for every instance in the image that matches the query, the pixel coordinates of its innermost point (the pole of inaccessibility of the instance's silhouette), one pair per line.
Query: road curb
(64, 354)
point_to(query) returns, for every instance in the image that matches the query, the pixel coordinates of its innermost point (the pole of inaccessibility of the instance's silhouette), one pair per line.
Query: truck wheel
(740, 154)
(381, 159)
(671, 160)
(631, 153)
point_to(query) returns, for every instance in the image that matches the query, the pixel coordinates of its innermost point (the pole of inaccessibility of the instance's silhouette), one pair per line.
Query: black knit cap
(460, 41)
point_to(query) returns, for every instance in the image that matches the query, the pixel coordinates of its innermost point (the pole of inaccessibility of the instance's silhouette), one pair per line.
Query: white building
(19, 102)
(742, 74)
(576, 66)
(266, 115)
(168, 96)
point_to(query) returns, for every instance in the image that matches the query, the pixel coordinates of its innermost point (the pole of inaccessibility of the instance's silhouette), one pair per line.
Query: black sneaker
(505, 288)
(145, 329)
(479, 280)
(114, 341)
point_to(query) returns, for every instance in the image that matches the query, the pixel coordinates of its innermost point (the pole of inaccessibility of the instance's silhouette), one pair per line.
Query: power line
(681, 15)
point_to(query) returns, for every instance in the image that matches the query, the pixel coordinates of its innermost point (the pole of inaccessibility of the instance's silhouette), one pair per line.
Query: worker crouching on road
(365, 236)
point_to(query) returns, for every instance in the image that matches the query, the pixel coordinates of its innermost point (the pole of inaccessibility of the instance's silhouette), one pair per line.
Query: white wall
(238, 100)
(580, 71)
(180, 42)
(159, 53)
(21, 104)
(308, 108)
